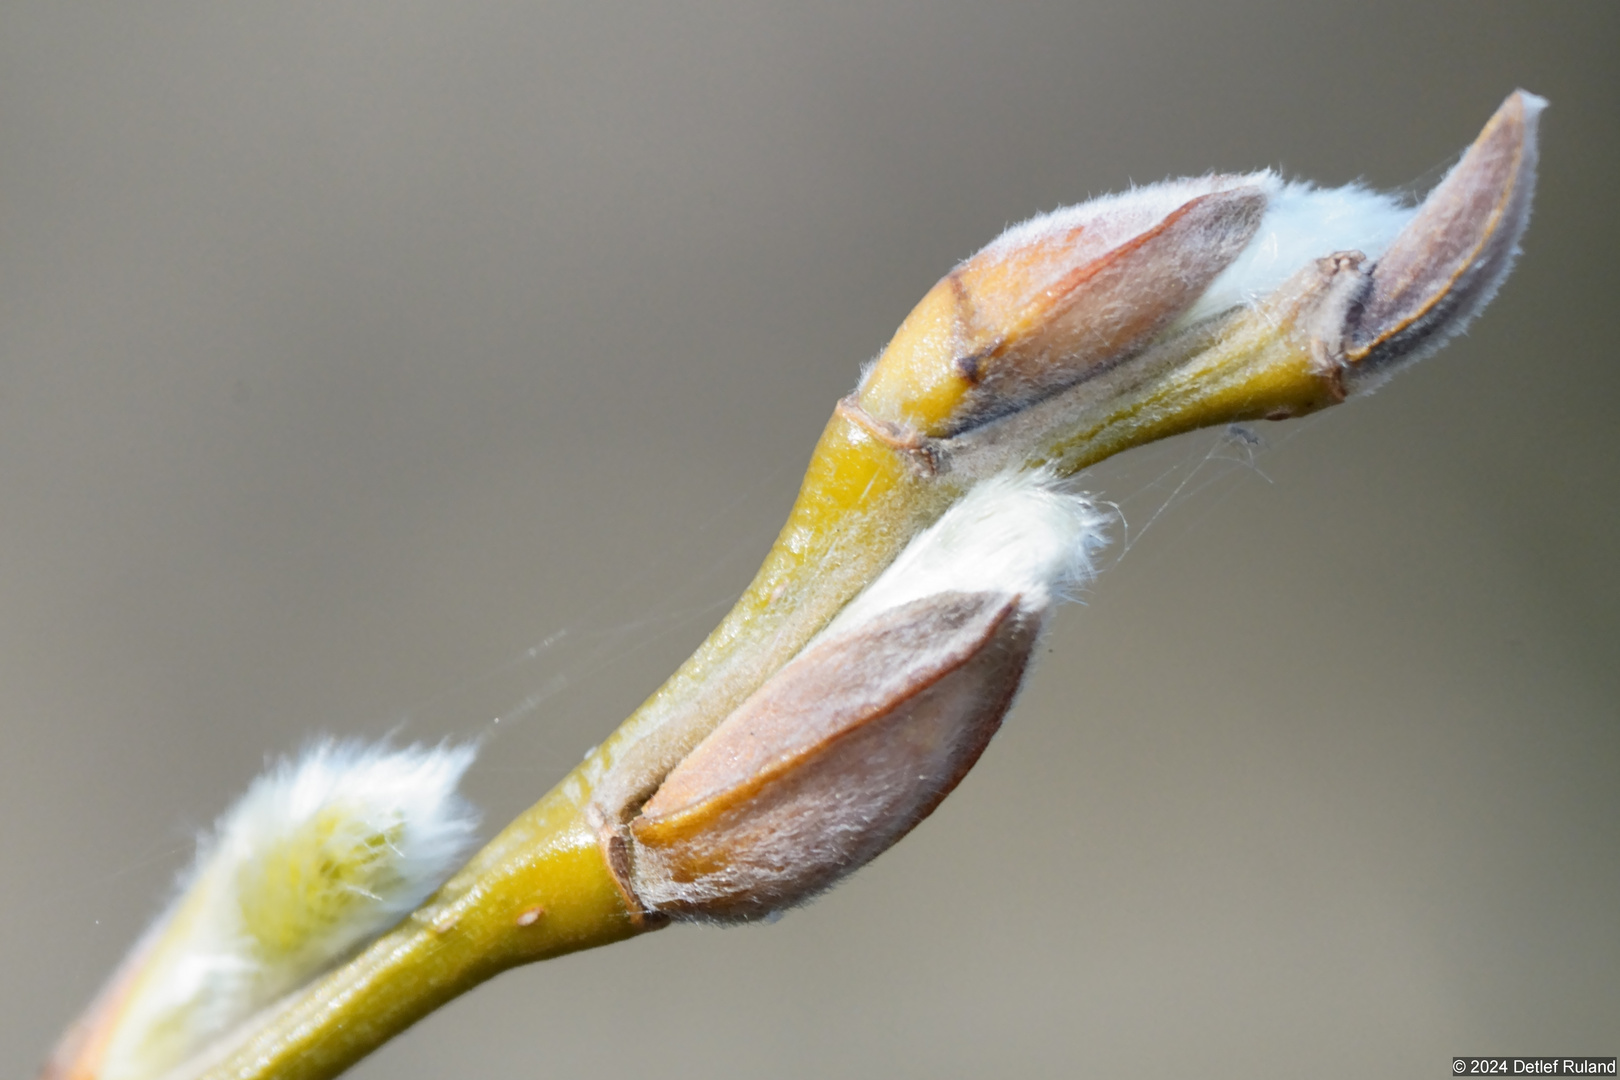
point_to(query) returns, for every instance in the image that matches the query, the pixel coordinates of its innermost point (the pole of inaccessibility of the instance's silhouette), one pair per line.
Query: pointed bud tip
(1449, 261)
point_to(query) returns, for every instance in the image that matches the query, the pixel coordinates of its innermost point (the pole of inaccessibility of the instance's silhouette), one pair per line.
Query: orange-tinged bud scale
(1030, 315)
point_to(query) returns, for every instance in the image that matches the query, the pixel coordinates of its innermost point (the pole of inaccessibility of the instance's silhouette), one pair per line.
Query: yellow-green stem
(540, 889)
(544, 886)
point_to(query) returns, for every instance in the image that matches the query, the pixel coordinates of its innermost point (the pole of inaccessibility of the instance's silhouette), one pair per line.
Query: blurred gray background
(396, 367)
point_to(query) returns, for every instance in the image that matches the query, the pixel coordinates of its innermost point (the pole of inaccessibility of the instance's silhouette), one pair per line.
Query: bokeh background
(397, 367)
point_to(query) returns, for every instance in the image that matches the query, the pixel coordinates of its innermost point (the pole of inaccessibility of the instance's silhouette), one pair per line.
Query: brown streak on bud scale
(1015, 324)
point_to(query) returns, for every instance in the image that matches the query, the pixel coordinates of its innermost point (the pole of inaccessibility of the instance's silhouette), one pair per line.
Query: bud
(1448, 263)
(1058, 298)
(855, 741)
(1192, 303)
(318, 857)
(835, 759)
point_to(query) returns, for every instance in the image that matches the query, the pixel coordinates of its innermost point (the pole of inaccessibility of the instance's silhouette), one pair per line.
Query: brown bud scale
(833, 760)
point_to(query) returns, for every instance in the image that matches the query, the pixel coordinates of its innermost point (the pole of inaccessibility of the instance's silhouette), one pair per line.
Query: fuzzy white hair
(321, 855)
(1016, 533)
(1302, 222)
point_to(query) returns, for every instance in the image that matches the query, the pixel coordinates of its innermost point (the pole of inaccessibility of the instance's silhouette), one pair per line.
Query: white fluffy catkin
(321, 855)
(1018, 533)
(1302, 222)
